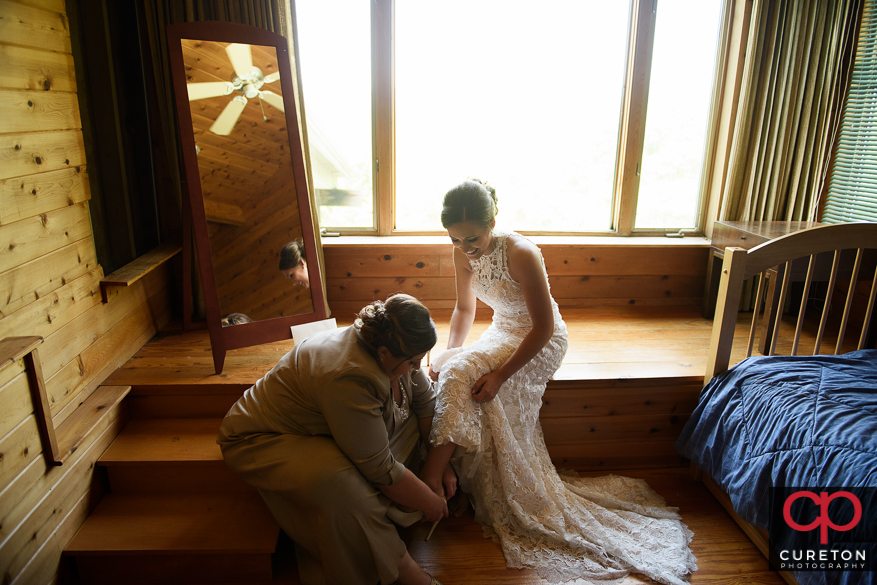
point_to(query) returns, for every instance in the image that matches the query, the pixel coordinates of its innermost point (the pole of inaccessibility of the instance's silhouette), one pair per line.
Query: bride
(489, 395)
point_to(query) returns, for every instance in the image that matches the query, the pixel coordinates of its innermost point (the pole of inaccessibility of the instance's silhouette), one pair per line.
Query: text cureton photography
(823, 529)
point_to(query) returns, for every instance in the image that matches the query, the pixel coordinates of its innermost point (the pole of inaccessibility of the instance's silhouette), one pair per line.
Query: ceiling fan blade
(241, 59)
(273, 99)
(229, 116)
(272, 77)
(209, 89)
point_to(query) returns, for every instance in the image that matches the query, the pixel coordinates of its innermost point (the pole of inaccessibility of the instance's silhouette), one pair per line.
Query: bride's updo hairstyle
(472, 200)
(402, 324)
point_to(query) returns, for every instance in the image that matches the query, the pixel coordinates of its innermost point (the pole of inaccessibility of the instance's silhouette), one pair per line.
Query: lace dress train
(564, 527)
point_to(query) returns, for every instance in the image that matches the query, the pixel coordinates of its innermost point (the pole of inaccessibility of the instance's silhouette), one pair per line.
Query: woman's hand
(436, 509)
(432, 374)
(449, 481)
(487, 386)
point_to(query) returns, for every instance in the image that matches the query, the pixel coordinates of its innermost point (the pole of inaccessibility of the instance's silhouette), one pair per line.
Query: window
(852, 192)
(547, 102)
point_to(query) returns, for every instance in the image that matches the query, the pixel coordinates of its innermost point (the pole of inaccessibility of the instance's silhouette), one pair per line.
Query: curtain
(792, 91)
(852, 193)
(277, 16)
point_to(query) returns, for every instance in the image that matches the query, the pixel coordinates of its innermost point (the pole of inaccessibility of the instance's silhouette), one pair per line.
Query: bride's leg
(435, 465)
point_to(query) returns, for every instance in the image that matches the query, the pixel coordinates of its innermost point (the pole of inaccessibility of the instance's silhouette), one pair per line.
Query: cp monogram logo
(822, 521)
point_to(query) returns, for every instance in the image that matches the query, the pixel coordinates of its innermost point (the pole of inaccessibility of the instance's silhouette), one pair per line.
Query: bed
(804, 414)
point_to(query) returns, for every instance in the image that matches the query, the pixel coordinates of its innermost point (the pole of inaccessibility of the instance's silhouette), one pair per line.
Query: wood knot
(387, 257)
(631, 302)
(420, 264)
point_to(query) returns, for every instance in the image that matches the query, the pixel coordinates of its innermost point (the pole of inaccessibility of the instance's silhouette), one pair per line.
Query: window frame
(633, 109)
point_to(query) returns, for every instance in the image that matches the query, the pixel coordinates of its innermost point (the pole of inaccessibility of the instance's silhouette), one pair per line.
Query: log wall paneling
(603, 275)
(617, 423)
(49, 287)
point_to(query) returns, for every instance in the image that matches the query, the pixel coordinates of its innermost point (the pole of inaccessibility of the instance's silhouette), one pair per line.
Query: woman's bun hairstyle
(292, 254)
(472, 200)
(402, 324)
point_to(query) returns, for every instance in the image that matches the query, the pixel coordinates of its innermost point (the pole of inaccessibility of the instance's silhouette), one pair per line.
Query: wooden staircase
(175, 513)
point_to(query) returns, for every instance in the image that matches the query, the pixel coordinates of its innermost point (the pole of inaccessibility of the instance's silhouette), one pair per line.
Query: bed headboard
(778, 260)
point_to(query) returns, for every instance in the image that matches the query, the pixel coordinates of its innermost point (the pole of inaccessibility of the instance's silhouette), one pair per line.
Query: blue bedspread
(793, 421)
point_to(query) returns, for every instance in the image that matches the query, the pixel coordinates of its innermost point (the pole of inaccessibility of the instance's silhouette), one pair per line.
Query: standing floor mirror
(246, 181)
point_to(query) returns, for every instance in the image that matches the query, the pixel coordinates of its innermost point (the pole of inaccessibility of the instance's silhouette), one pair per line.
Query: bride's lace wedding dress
(563, 527)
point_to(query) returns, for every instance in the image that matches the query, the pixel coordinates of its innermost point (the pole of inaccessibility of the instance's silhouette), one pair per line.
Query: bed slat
(781, 302)
(762, 282)
(832, 279)
(869, 312)
(849, 304)
(804, 298)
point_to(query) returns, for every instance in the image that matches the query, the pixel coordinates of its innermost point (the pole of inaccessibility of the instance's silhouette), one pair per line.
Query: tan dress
(316, 436)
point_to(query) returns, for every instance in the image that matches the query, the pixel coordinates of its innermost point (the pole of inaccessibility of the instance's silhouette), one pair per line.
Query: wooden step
(139, 539)
(169, 456)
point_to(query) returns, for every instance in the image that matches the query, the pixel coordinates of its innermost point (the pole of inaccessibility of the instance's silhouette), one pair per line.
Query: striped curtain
(852, 192)
(789, 109)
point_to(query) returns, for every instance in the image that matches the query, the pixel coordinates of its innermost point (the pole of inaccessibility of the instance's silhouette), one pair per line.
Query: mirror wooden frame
(223, 339)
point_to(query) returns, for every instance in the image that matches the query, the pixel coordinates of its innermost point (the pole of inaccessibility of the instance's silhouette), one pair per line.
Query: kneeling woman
(332, 434)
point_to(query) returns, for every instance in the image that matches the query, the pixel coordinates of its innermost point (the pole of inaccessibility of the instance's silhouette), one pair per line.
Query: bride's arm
(464, 309)
(525, 267)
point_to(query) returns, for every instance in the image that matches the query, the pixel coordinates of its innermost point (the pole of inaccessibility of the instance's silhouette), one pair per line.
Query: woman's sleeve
(355, 417)
(422, 395)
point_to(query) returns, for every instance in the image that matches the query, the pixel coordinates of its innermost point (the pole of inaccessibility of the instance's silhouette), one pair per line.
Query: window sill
(648, 241)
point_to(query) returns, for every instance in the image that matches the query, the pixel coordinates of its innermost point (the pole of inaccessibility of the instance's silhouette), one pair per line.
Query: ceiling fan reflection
(247, 82)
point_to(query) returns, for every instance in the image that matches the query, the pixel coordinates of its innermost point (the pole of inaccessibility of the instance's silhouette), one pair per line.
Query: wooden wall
(50, 286)
(605, 272)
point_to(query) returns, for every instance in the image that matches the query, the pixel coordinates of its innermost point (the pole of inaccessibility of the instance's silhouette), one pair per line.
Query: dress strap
(502, 258)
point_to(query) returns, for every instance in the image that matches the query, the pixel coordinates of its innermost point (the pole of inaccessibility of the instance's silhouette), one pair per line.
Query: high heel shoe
(403, 519)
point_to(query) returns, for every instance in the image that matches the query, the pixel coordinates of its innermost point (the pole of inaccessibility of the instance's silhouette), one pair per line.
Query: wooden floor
(604, 343)
(458, 554)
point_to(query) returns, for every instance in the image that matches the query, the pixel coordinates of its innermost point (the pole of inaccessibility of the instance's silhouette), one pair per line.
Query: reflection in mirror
(242, 145)
(246, 183)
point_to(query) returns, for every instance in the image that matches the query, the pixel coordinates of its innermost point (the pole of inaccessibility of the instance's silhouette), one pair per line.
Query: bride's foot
(458, 504)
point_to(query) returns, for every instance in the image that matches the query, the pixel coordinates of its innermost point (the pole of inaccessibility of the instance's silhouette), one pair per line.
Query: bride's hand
(487, 387)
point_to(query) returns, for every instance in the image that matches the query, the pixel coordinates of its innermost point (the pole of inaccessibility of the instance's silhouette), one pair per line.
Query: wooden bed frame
(819, 249)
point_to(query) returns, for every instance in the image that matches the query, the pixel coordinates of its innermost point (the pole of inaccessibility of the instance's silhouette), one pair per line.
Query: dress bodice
(493, 285)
